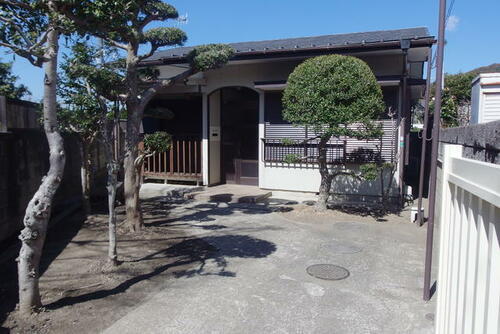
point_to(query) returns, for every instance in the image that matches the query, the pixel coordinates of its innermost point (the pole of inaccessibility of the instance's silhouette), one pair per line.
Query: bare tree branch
(13, 24)
(115, 43)
(14, 3)
(41, 41)
(152, 50)
(151, 92)
(147, 20)
(35, 60)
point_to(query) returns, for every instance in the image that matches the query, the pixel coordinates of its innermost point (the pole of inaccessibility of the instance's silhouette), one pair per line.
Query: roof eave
(351, 48)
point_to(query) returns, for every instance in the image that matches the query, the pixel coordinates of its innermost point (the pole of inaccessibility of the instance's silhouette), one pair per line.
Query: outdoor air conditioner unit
(485, 98)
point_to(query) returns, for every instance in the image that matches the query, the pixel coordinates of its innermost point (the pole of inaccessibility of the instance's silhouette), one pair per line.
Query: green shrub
(157, 142)
(330, 92)
(292, 158)
(287, 142)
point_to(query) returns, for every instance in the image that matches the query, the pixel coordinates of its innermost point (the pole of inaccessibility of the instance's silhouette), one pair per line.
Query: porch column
(261, 136)
(204, 139)
(400, 140)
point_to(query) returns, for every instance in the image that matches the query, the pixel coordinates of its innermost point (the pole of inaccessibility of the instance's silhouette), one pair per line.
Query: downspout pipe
(424, 139)
(434, 154)
(405, 46)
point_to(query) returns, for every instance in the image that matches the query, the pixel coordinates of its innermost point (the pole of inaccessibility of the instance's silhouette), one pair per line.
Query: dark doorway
(240, 135)
(412, 171)
(181, 117)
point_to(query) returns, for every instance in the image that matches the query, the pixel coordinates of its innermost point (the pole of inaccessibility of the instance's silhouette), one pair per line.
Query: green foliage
(124, 25)
(163, 10)
(459, 86)
(455, 95)
(82, 116)
(87, 66)
(117, 19)
(157, 142)
(330, 92)
(8, 85)
(22, 27)
(369, 171)
(449, 109)
(165, 36)
(287, 142)
(210, 56)
(372, 171)
(125, 21)
(291, 158)
(82, 83)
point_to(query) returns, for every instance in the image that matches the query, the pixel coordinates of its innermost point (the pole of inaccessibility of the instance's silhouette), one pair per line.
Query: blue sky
(473, 37)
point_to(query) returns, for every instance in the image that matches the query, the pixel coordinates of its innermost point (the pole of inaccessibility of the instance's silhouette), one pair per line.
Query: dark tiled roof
(317, 42)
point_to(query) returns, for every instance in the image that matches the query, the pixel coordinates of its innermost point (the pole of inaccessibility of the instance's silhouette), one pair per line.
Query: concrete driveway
(250, 275)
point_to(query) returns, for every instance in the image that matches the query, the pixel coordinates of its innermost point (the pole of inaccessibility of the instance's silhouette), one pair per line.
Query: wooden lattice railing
(181, 162)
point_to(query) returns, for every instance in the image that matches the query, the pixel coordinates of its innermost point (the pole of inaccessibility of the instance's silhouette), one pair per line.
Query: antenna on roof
(183, 19)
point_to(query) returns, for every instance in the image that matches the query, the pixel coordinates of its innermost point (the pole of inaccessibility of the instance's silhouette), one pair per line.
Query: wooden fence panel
(181, 162)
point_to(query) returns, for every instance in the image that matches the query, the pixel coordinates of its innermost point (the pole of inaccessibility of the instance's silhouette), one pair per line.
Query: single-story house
(227, 125)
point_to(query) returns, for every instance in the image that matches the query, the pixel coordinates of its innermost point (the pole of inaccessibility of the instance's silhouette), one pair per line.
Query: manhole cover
(327, 271)
(339, 248)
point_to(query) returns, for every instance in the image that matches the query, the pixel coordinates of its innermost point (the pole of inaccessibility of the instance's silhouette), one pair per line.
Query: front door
(240, 135)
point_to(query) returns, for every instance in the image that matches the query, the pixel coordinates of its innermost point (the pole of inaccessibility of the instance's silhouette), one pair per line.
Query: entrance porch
(233, 143)
(180, 116)
(223, 148)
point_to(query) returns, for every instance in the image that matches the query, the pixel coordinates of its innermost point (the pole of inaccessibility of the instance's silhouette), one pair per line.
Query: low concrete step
(231, 194)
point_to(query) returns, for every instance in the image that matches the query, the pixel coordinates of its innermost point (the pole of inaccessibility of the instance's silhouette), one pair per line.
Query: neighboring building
(227, 124)
(485, 98)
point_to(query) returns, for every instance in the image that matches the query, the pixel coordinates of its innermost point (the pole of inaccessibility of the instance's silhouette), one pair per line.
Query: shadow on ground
(183, 257)
(376, 211)
(187, 258)
(218, 206)
(58, 237)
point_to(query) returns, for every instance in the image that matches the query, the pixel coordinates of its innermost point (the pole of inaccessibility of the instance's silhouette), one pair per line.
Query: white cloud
(452, 23)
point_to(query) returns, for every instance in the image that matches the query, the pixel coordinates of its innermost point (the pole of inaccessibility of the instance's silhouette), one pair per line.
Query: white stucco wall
(301, 177)
(214, 138)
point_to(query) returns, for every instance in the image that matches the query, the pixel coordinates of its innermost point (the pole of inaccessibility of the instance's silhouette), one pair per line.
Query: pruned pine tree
(125, 24)
(383, 170)
(31, 30)
(91, 86)
(335, 96)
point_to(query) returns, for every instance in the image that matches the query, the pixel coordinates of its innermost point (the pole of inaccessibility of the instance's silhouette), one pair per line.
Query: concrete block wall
(23, 163)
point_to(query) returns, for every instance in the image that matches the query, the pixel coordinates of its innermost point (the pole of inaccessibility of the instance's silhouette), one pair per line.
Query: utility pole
(434, 152)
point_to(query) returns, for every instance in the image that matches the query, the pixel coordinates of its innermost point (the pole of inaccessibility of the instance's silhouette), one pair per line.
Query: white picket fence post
(468, 288)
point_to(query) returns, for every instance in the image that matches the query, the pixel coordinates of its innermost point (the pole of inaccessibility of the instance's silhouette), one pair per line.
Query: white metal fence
(468, 288)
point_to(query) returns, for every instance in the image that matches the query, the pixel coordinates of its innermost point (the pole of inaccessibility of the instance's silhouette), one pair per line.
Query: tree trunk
(85, 174)
(132, 186)
(134, 119)
(387, 189)
(39, 208)
(113, 168)
(382, 188)
(326, 177)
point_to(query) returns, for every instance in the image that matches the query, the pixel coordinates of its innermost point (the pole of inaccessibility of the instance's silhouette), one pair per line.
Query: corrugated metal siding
(491, 107)
(280, 131)
(355, 150)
